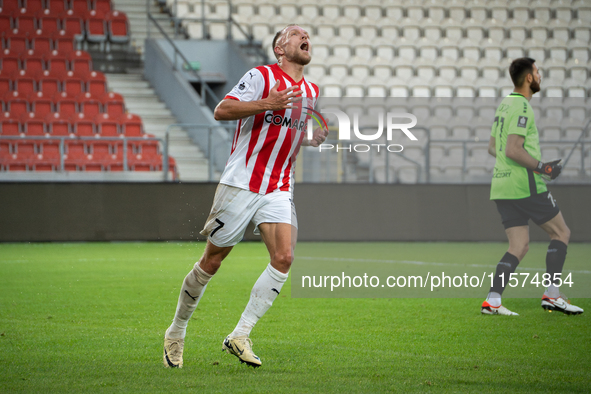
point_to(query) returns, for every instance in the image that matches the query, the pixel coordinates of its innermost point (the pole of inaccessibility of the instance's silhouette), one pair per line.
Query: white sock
(552, 291)
(193, 287)
(494, 299)
(264, 292)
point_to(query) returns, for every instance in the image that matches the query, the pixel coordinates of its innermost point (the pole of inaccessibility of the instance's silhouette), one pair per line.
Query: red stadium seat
(102, 5)
(40, 104)
(64, 42)
(25, 152)
(9, 62)
(73, 85)
(23, 82)
(96, 83)
(41, 42)
(10, 127)
(96, 28)
(118, 26)
(106, 126)
(83, 126)
(16, 103)
(33, 5)
(75, 155)
(48, 22)
(80, 6)
(5, 22)
(57, 124)
(89, 105)
(32, 125)
(5, 83)
(32, 61)
(131, 125)
(80, 61)
(48, 83)
(24, 21)
(73, 25)
(56, 6)
(113, 104)
(65, 104)
(57, 62)
(10, 5)
(16, 41)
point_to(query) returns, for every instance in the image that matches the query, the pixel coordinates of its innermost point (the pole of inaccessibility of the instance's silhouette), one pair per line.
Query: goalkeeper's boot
(560, 304)
(173, 352)
(488, 309)
(241, 347)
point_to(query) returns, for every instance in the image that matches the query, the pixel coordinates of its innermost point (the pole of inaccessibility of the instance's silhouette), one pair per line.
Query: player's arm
(492, 148)
(318, 138)
(229, 109)
(516, 152)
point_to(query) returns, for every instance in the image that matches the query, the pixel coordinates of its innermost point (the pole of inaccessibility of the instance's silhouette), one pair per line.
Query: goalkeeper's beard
(534, 87)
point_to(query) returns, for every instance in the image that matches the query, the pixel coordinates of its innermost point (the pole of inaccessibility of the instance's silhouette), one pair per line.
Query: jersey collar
(276, 67)
(516, 94)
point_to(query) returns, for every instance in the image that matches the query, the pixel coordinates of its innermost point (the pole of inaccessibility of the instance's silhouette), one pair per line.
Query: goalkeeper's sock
(193, 287)
(555, 258)
(264, 292)
(505, 268)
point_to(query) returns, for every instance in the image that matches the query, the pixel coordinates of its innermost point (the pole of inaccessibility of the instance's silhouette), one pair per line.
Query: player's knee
(565, 236)
(283, 259)
(209, 264)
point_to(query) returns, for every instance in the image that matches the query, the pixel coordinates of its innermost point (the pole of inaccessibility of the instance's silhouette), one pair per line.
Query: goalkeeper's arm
(517, 153)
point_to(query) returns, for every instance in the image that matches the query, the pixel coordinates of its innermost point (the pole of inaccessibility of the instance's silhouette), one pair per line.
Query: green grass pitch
(90, 317)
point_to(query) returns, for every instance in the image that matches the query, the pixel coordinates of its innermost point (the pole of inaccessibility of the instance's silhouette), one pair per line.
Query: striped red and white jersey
(265, 145)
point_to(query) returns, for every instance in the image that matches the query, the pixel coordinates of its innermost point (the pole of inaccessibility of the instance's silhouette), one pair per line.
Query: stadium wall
(326, 212)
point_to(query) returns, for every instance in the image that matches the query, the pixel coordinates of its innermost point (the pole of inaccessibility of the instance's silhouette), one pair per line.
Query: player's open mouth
(304, 46)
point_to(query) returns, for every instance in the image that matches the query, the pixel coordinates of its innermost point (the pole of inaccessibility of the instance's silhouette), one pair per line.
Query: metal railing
(125, 141)
(205, 88)
(211, 149)
(229, 21)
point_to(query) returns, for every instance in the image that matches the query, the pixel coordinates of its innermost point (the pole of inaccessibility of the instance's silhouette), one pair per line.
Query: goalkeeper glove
(549, 170)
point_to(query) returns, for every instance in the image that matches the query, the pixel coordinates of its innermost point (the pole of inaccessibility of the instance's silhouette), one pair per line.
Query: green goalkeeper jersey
(510, 180)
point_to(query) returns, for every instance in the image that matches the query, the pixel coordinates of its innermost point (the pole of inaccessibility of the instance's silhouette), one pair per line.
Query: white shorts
(233, 208)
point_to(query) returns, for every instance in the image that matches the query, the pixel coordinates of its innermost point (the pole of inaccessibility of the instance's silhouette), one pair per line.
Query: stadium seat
(118, 27)
(107, 126)
(102, 5)
(89, 105)
(113, 104)
(65, 42)
(48, 22)
(40, 103)
(5, 22)
(41, 42)
(16, 41)
(131, 125)
(96, 29)
(56, 6)
(57, 124)
(65, 104)
(48, 83)
(32, 125)
(24, 21)
(80, 61)
(32, 61)
(83, 126)
(56, 62)
(23, 82)
(10, 127)
(73, 85)
(9, 62)
(80, 7)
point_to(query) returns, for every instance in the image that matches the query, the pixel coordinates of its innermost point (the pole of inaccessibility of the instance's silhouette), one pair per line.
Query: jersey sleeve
(520, 118)
(249, 88)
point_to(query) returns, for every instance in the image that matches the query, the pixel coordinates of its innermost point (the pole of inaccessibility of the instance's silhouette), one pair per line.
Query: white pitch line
(423, 263)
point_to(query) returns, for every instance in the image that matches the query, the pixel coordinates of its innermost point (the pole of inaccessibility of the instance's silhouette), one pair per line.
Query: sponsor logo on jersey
(522, 121)
(243, 87)
(290, 123)
(502, 174)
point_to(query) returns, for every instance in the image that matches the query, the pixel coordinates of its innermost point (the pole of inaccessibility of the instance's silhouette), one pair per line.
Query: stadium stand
(58, 113)
(438, 50)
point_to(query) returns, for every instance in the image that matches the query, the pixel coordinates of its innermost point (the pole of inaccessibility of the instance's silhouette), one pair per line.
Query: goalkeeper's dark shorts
(539, 208)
